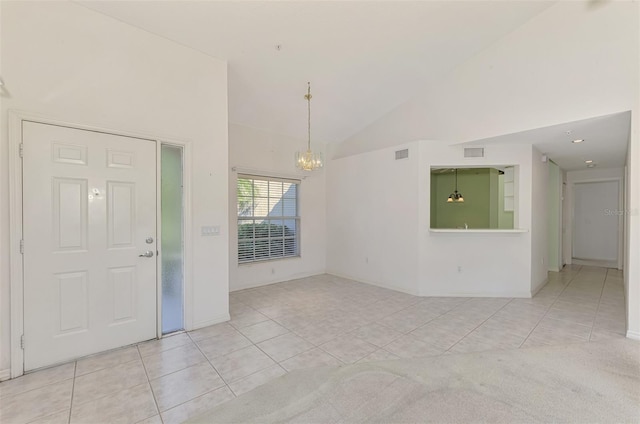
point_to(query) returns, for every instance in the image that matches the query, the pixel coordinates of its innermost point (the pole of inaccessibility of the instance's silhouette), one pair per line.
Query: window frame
(268, 219)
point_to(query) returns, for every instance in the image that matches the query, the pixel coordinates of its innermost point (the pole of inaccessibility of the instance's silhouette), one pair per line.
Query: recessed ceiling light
(580, 140)
(591, 165)
(588, 161)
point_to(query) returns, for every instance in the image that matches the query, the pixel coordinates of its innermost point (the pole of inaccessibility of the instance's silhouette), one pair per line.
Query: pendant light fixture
(308, 161)
(455, 196)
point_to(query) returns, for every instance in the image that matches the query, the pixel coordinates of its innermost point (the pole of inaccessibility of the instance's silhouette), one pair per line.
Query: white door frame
(621, 194)
(186, 234)
(15, 120)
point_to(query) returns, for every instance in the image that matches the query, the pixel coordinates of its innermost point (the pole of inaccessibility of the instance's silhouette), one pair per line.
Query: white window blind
(268, 220)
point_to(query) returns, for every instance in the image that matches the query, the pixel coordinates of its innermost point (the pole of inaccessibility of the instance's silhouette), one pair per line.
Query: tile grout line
(110, 366)
(422, 325)
(102, 396)
(479, 325)
(51, 383)
(254, 373)
(153, 394)
(550, 306)
(213, 366)
(73, 388)
(376, 321)
(318, 346)
(286, 359)
(595, 316)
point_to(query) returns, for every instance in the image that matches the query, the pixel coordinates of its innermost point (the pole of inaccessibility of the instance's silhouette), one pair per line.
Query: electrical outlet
(210, 230)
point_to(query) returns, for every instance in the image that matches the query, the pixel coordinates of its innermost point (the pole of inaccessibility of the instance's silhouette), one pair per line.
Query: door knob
(146, 254)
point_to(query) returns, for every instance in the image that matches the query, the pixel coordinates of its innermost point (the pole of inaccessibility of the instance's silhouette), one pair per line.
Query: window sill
(264, 261)
(478, 230)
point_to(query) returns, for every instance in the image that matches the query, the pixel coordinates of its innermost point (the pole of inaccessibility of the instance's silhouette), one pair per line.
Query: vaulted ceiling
(362, 58)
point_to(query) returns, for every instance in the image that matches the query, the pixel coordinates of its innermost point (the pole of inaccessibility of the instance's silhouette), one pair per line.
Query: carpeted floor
(577, 383)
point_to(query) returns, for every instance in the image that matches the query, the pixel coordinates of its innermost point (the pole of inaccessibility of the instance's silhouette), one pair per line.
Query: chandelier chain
(308, 96)
(308, 160)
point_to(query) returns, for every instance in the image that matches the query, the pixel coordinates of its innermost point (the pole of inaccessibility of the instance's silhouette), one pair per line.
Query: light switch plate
(213, 230)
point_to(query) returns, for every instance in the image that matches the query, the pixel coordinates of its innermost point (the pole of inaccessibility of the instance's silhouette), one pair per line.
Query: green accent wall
(483, 206)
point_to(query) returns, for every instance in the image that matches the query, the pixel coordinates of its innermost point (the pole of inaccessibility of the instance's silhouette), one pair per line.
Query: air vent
(402, 154)
(474, 152)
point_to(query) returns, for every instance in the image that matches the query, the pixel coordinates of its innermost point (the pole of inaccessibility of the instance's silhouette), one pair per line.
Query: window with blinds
(268, 220)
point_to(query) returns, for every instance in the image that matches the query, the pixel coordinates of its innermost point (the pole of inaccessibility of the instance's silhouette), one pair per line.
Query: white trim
(238, 287)
(621, 197)
(478, 230)
(187, 248)
(158, 240)
(501, 294)
(16, 276)
(264, 173)
(633, 335)
(187, 219)
(213, 321)
(15, 235)
(5, 374)
(539, 287)
(374, 283)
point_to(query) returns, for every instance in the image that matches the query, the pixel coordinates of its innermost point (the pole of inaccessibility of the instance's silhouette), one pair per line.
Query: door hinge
(22, 342)
(22, 247)
(21, 150)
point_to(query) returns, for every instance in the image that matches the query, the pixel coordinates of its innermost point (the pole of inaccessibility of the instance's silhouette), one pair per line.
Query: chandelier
(308, 161)
(455, 196)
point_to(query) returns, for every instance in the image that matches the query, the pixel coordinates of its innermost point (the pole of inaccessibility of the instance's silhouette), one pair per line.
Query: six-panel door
(89, 202)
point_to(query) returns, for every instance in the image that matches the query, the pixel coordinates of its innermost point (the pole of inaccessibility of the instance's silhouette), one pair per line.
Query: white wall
(273, 154)
(496, 264)
(554, 217)
(594, 175)
(378, 212)
(373, 216)
(64, 61)
(539, 225)
(566, 220)
(632, 233)
(573, 61)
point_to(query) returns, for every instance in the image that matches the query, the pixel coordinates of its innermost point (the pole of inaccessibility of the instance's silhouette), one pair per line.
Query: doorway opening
(596, 223)
(172, 242)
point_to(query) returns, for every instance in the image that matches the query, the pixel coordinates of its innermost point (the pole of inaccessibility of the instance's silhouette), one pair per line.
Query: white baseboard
(539, 287)
(504, 294)
(634, 335)
(5, 374)
(255, 284)
(215, 320)
(375, 283)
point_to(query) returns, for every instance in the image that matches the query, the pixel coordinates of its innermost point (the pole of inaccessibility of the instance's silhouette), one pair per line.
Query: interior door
(89, 206)
(595, 217)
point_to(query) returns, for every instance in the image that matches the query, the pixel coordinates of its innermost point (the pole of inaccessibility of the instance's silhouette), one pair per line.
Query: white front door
(89, 206)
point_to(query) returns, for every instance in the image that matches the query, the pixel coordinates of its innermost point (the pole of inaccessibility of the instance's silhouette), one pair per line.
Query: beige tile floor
(316, 321)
